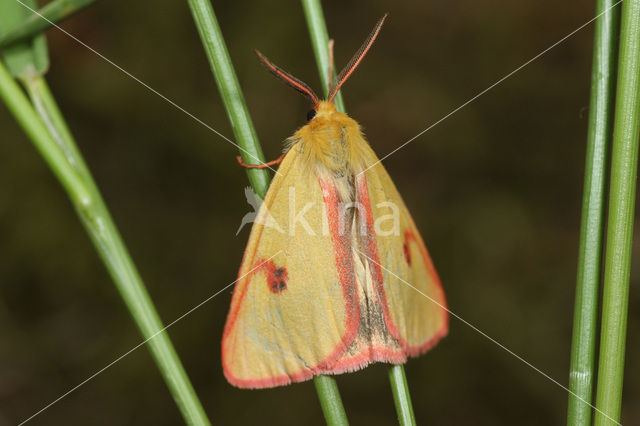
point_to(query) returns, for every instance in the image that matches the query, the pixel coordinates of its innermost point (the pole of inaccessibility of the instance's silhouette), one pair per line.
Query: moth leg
(260, 166)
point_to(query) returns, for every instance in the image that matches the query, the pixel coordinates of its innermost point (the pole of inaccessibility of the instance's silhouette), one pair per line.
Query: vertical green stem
(582, 370)
(52, 138)
(320, 42)
(621, 213)
(225, 76)
(330, 401)
(401, 396)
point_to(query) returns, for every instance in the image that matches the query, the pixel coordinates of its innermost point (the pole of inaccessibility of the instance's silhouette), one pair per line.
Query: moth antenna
(288, 79)
(357, 58)
(331, 79)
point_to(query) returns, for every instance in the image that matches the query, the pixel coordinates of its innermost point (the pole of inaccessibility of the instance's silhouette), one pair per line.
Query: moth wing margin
(273, 338)
(409, 288)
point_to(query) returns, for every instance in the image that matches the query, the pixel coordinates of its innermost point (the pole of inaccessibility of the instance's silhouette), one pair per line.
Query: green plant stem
(250, 150)
(54, 11)
(330, 401)
(320, 42)
(225, 76)
(47, 109)
(22, 110)
(401, 396)
(582, 370)
(621, 213)
(62, 156)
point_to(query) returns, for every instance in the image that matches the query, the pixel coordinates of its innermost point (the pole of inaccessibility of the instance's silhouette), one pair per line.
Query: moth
(335, 275)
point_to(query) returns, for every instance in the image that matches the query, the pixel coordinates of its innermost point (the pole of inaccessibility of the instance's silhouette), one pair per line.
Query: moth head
(334, 85)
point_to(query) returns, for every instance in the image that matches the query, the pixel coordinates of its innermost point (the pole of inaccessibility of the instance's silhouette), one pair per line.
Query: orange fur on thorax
(332, 144)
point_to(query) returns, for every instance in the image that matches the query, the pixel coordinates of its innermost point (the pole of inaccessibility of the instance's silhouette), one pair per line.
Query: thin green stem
(54, 12)
(621, 213)
(225, 76)
(320, 42)
(50, 115)
(22, 110)
(401, 396)
(582, 370)
(250, 149)
(330, 401)
(62, 156)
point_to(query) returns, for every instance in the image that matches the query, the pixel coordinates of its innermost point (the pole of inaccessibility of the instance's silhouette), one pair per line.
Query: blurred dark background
(495, 189)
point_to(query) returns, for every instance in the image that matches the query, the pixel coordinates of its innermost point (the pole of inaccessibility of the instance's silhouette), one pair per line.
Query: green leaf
(28, 58)
(52, 13)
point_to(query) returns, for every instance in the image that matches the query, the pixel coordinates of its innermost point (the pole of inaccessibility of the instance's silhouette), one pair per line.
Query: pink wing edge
(335, 363)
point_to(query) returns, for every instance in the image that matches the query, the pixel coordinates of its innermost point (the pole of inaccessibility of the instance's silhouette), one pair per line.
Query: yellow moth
(335, 275)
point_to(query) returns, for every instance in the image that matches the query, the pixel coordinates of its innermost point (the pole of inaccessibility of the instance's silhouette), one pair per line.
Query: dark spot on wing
(408, 237)
(277, 276)
(278, 286)
(407, 253)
